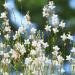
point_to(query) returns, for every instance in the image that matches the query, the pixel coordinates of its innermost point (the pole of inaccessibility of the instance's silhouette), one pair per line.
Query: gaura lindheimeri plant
(28, 53)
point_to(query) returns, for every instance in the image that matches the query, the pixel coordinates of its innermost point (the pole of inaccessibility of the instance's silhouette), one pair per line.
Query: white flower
(22, 49)
(18, 45)
(70, 37)
(45, 45)
(48, 28)
(21, 74)
(55, 53)
(33, 52)
(28, 60)
(51, 5)
(48, 61)
(48, 9)
(7, 36)
(60, 58)
(41, 41)
(5, 73)
(73, 49)
(15, 55)
(27, 41)
(31, 36)
(62, 24)
(45, 12)
(62, 70)
(55, 30)
(7, 28)
(0, 33)
(1, 45)
(6, 22)
(27, 18)
(64, 37)
(34, 43)
(40, 59)
(15, 37)
(33, 30)
(56, 48)
(5, 5)
(3, 15)
(1, 53)
(68, 57)
(5, 61)
(55, 20)
(6, 55)
(55, 62)
(38, 45)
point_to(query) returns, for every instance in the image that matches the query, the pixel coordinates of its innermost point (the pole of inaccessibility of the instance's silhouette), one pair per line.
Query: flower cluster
(60, 41)
(56, 29)
(28, 52)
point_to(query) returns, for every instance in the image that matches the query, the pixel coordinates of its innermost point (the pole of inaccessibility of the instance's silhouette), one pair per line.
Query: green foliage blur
(35, 7)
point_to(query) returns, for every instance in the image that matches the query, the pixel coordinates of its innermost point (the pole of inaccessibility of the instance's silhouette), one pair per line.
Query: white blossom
(34, 43)
(48, 9)
(45, 45)
(56, 48)
(32, 52)
(15, 37)
(60, 58)
(27, 41)
(55, 30)
(62, 24)
(31, 36)
(73, 49)
(1, 52)
(55, 53)
(6, 22)
(55, 20)
(7, 29)
(6, 55)
(1, 45)
(3, 15)
(7, 36)
(45, 12)
(33, 30)
(18, 45)
(51, 5)
(55, 62)
(22, 49)
(48, 28)
(28, 60)
(5, 61)
(62, 70)
(21, 74)
(0, 33)
(48, 61)
(68, 57)
(69, 37)
(15, 55)
(64, 37)
(5, 73)
(27, 17)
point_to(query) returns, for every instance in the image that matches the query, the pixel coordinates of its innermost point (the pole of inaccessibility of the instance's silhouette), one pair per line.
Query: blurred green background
(65, 9)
